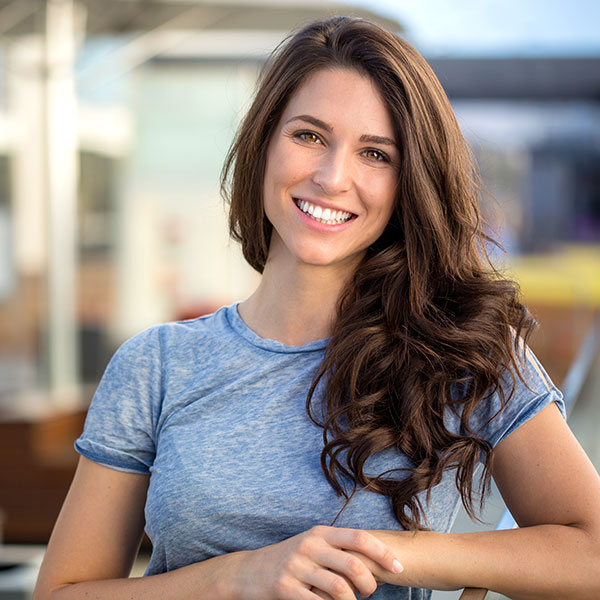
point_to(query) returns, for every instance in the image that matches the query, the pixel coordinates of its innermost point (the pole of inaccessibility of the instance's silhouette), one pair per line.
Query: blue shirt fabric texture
(216, 415)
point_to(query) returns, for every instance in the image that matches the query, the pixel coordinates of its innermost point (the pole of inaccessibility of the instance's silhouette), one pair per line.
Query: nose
(333, 172)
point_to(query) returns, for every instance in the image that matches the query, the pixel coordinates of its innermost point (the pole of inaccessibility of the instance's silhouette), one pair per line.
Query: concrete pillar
(61, 172)
(25, 87)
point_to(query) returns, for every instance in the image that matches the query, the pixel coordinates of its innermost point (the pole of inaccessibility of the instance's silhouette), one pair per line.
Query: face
(331, 172)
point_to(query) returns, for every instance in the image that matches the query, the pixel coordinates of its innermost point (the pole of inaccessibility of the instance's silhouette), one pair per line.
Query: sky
(497, 27)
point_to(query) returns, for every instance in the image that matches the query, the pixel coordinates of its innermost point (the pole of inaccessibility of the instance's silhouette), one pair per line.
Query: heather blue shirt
(216, 415)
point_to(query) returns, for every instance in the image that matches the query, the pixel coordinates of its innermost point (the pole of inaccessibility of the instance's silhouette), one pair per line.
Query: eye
(376, 155)
(308, 136)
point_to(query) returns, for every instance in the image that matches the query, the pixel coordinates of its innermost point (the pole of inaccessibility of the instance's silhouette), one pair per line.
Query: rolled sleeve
(120, 427)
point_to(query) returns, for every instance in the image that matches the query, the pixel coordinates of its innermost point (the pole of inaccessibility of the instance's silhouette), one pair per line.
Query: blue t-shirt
(216, 415)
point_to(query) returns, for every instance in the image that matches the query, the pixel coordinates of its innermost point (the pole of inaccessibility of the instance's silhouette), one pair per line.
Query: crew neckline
(239, 326)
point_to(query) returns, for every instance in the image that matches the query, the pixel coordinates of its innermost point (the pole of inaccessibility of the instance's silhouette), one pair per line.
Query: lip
(322, 204)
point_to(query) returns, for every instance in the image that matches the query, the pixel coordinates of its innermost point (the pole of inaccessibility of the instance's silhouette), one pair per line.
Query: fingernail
(397, 567)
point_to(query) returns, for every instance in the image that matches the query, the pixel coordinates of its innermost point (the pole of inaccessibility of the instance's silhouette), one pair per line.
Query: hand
(314, 564)
(325, 596)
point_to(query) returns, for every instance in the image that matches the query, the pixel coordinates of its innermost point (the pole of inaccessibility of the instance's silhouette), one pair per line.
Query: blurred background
(115, 116)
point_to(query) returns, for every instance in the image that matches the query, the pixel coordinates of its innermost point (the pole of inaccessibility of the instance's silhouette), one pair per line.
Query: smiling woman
(316, 439)
(336, 166)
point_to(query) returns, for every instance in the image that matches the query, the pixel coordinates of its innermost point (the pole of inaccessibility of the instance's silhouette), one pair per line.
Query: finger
(351, 567)
(330, 583)
(320, 594)
(303, 592)
(364, 543)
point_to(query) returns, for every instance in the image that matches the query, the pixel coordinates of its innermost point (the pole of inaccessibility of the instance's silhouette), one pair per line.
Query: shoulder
(534, 378)
(519, 398)
(159, 341)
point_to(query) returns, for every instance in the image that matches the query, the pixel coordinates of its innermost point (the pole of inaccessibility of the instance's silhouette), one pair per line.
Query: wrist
(231, 585)
(401, 544)
(218, 577)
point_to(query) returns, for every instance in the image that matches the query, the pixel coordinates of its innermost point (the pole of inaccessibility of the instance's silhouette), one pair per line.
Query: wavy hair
(426, 325)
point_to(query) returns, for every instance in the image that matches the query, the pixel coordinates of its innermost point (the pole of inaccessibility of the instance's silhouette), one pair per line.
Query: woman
(315, 440)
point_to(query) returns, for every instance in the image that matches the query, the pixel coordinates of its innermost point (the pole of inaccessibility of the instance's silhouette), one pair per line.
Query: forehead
(343, 98)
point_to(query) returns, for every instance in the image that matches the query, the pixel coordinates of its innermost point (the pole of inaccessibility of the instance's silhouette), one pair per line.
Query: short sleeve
(494, 423)
(120, 426)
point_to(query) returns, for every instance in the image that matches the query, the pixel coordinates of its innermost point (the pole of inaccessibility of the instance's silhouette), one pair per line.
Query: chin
(314, 261)
(320, 260)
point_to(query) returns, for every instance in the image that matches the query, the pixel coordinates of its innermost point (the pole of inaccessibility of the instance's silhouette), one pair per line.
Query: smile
(323, 215)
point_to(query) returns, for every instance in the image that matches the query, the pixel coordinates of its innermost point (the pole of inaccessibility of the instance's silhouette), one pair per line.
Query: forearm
(531, 563)
(207, 579)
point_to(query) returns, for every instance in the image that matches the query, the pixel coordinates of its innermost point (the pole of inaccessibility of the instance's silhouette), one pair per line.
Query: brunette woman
(316, 440)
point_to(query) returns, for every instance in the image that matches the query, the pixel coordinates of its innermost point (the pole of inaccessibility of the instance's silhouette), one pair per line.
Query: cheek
(384, 195)
(289, 162)
(269, 181)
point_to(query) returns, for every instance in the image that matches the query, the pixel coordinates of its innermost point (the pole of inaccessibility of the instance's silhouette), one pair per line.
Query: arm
(98, 532)
(553, 491)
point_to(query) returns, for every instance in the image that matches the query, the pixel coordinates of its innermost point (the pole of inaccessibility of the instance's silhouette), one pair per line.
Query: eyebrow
(374, 139)
(377, 139)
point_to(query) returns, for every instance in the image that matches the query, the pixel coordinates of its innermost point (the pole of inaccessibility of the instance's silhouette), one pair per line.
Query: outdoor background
(115, 117)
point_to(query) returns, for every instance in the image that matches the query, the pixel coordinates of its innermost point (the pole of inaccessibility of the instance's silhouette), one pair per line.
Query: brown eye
(309, 136)
(376, 155)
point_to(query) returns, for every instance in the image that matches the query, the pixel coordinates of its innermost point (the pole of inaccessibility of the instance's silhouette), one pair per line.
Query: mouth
(323, 215)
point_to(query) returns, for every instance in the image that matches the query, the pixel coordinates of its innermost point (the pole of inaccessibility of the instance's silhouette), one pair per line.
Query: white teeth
(327, 216)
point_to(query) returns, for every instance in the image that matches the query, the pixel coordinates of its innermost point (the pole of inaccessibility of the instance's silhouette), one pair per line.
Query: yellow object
(568, 276)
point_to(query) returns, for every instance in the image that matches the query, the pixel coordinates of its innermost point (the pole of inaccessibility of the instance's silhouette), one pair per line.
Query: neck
(295, 305)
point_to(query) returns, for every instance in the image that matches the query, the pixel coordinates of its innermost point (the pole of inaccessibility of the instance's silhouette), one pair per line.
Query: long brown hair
(426, 325)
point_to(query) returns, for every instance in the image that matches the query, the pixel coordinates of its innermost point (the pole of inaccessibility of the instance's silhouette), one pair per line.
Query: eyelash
(383, 157)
